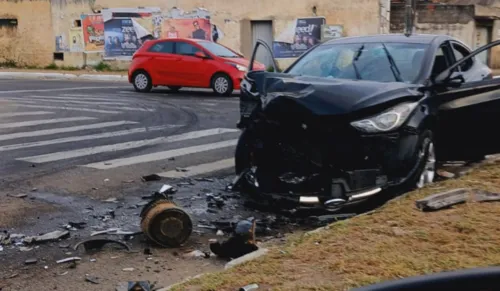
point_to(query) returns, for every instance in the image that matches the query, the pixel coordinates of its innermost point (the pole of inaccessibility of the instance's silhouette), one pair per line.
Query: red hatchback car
(177, 63)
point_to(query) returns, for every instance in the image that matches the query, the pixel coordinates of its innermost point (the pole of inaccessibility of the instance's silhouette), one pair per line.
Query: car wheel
(222, 85)
(426, 169)
(174, 88)
(142, 81)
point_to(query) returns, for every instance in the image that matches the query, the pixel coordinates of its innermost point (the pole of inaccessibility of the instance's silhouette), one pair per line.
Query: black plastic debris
(139, 286)
(98, 244)
(327, 219)
(31, 261)
(92, 279)
(178, 169)
(48, 237)
(204, 179)
(249, 287)
(18, 195)
(239, 244)
(149, 178)
(77, 225)
(147, 251)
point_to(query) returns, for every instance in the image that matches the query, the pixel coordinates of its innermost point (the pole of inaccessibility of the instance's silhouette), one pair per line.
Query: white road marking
(63, 129)
(130, 108)
(200, 169)
(84, 137)
(27, 113)
(207, 104)
(43, 121)
(64, 108)
(49, 99)
(122, 146)
(80, 98)
(161, 155)
(60, 89)
(21, 101)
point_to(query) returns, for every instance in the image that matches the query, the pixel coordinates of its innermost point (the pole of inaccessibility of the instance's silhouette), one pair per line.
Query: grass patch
(394, 242)
(52, 66)
(102, 67)
(8, 64)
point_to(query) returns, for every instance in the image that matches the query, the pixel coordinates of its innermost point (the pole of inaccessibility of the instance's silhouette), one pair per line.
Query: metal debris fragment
(31, 261)
(153, 177)
(51, 236)
(92, 279)
(69, 260)
(128, 269)
(18, 195)
(249, 287)
(454, 197)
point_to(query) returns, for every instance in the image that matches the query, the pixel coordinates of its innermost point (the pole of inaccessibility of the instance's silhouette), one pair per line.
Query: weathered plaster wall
(495, 52)
(32, 43)
(456, 21)
(51, 18)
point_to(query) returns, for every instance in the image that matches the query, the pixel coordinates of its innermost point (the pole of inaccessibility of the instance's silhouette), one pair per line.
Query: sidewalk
(63, 75)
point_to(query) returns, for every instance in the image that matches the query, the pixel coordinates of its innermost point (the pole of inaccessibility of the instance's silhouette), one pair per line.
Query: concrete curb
(62, 76)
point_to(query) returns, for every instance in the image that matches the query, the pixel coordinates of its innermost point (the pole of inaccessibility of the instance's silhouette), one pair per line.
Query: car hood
(244, 62)
(327, 96)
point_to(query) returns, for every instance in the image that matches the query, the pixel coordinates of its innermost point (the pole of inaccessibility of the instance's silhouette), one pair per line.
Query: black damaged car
(354, 116)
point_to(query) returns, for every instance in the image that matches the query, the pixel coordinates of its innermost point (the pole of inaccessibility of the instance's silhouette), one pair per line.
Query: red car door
(163, 63)
(192, 70)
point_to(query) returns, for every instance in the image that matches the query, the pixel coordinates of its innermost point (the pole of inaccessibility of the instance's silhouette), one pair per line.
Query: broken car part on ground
(355, 116)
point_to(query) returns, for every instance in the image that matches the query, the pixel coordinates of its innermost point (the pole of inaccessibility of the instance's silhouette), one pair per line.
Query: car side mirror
(200, 54)
(455, 79)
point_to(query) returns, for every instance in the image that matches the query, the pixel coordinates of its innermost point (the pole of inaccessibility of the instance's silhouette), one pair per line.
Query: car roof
(414, 38)
(180, 38)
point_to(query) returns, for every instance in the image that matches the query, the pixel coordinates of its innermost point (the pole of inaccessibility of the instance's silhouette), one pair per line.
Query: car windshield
(382, 62)
(218, 50)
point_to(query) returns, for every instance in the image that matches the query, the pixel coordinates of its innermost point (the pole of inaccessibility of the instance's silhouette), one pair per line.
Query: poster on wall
(93, 32)
(76, 40)
(298, 37)
(198, 28)
(126, 29)
(329, 32)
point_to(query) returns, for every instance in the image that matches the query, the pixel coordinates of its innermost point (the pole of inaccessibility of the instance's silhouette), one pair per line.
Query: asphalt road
(109, 129)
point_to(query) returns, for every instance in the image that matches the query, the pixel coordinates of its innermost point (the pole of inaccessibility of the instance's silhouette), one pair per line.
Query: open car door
(253, 83)
(468, 112)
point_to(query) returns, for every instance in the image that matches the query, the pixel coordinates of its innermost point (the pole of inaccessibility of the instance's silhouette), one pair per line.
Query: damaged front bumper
(300, 164)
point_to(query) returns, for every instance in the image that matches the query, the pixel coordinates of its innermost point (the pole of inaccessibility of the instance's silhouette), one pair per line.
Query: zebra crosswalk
(95, 132)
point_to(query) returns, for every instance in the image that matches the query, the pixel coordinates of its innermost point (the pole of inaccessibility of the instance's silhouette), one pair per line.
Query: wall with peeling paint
(32, 42)
(358, 17)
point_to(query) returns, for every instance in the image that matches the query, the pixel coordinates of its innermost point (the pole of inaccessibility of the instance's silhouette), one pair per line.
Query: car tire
(142, 81)
(426, 157)
(242, 153)
(222, 84)
(174, 88)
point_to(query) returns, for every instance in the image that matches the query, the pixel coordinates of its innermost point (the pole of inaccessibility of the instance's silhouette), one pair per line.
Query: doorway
(483, 37)
(263, 30)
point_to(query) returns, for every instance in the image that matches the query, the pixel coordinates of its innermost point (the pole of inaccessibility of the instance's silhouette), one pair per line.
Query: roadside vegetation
(394, 242)
(100, 67)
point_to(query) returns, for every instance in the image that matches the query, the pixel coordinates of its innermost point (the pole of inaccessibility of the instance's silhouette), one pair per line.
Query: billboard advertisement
(298, 38)
(93, 32)
(198, 28)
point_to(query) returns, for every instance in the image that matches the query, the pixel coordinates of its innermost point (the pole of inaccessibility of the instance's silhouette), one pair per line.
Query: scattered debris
(204, 179)
(147, 251)
(92, 279)
(18, 195)
(92, 260)
(77, 225)
(94, 244)
(241, 243)
(181, 169)
(454, 197)
(165, 223)
(111, 200)
(25, 249)
(153, 177)
(128, 181)
(445, 174)
(128, 269)
(137, 286)
(115, 231)
(398, 231)
(12, 276)
(106, 180)
(220, 233)
(246, 258)
(51, 236)
(31, 261)
(34, 189)
(327, 219)
(206, 226)
(69, 260)
(185, 184)
(197, 254)
(64, 246)
(63, 274)
(1, 249)
(249, 287)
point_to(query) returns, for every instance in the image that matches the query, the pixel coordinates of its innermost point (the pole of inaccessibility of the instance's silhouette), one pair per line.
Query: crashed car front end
(303, 149)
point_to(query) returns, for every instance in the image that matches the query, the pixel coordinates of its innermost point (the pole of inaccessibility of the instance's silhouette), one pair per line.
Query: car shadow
(196, 93)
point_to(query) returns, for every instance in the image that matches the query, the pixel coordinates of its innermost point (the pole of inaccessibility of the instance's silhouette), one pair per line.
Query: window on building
(77, 23)
(8, 22)
(58, 56)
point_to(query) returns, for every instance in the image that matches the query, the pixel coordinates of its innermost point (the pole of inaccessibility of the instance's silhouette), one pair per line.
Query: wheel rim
(141, 81)
(429, 171)
(221, 85)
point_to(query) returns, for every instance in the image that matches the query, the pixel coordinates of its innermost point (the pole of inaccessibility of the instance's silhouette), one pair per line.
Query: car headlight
(386, 121)
(239, 67)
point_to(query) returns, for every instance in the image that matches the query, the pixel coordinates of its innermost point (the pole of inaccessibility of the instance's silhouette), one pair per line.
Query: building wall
(32, 42)
(456, 21)
(51, 18)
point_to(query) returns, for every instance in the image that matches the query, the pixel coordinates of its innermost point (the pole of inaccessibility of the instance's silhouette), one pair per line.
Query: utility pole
(409, 16)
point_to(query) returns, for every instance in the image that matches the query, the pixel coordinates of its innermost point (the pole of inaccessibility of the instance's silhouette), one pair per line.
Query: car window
(441, 62)
(367, 61)
(187, 49)
(166, 47)
(218, 49)
(460, 52)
